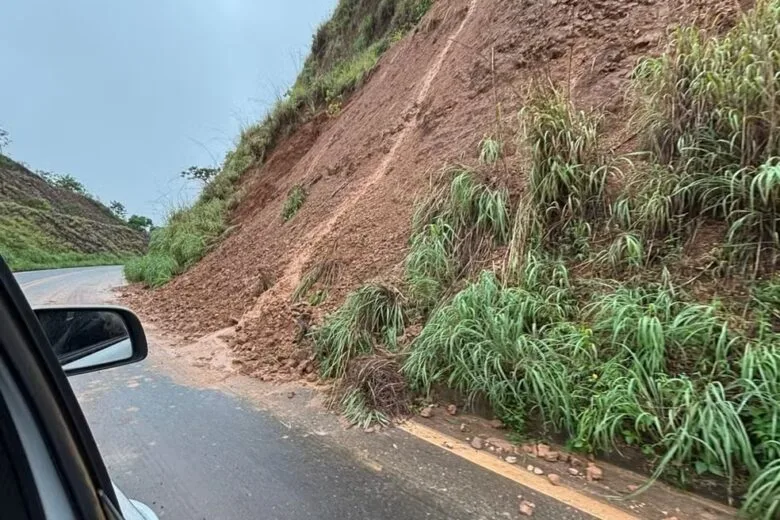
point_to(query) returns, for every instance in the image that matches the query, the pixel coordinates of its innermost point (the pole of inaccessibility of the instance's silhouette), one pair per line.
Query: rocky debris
(452, 409)
(312, 377)
(527, 508)
(574, 472)
(593, 472)
(554, 479)
(497, 424)
(370, 429)
(632, 488)
(477, 443)
(448, 445)
(511, 459)
(501, 445)
(530, 449)
(426, 412)
(538, 471)
(542, 450)
(552, 456)
(290, 395)
(463, 427)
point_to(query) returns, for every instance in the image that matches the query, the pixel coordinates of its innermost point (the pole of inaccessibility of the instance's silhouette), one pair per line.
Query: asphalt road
(194, 453)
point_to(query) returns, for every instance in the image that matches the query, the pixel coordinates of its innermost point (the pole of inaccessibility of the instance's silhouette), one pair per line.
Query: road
(191, 452)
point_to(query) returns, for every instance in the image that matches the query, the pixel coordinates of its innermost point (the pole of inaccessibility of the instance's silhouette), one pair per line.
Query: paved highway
(196, 453)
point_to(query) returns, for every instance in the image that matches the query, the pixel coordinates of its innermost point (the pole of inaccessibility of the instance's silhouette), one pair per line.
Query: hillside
(568, 209)
(43, 226)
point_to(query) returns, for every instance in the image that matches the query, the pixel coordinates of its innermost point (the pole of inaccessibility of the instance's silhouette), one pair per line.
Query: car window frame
(52, 402)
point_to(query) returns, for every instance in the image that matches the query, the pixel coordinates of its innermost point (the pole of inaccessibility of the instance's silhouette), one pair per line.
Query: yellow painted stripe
(540, 484)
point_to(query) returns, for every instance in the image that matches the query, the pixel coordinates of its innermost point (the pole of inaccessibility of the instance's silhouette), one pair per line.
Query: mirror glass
(84, 338)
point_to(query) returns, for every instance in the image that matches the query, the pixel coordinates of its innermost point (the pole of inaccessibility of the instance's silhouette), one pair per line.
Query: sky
(124, 95)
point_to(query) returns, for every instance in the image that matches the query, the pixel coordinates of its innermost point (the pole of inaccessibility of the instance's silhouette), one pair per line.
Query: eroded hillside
(517, 204)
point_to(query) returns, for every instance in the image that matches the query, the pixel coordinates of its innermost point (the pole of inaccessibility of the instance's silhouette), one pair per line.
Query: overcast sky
(125, 94)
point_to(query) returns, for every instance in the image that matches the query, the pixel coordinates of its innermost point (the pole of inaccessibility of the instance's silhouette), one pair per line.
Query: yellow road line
(539, 484)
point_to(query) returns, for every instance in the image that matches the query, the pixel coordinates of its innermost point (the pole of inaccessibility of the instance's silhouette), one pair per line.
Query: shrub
(295, 199)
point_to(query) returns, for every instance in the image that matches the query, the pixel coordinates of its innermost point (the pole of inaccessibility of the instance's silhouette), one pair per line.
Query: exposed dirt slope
(429, 102)
(52, 220)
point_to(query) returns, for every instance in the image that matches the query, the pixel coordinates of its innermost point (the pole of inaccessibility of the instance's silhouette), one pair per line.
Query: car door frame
(48, 394)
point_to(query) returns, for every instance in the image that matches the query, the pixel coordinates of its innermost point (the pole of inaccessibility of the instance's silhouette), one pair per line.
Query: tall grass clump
(372, 316)
(709, 109)
(295, 199)
(567, 176)
(459, 221)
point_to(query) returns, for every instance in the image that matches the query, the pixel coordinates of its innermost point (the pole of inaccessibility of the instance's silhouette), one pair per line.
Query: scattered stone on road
(527, 508)
(554, 479)
(497, 424)
(538, 471)
(448, 445)
(452, 409)
(574, 472)
(530, 468)
(593, 472)
(290, 395)
(542, 450)
(463, 427)
(426, 412)
(511, 459)
(501, 445)
(477, 443)
(530, 449)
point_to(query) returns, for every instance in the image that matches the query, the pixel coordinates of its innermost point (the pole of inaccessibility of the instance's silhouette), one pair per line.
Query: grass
(371, 316)
(458, 222)
(325, 273)
(489, 150)
(708, 112)
(295, 199)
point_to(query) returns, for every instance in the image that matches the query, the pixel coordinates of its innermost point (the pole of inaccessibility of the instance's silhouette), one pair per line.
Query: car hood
(133, 509)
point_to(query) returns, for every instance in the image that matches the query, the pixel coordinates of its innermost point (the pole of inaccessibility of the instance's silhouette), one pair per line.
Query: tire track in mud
(290, 277)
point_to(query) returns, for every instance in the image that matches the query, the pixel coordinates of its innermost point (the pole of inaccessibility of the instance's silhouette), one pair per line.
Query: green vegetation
(371, 316)
(344, 52)
(625, 355)
(489, 150)
(295, 199)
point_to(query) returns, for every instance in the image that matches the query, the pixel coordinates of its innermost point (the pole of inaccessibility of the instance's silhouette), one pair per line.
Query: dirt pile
(429, 102)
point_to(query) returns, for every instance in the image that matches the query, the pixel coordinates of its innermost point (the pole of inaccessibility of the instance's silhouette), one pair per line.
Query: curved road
(192, 453)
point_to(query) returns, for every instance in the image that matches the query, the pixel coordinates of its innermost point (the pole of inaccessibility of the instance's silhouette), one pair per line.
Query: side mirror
(88, 339)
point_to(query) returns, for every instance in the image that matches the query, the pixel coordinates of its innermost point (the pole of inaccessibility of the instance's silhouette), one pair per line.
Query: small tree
(4, 139)
(198, 173)
(118, 209)
(140, 223)
(70, 183)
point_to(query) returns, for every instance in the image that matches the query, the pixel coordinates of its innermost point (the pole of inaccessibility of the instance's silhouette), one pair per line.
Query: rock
(233, 320)
(542, 450)
(477, 443)
(530, 468)
(574, 461)
(312, 377)
(463, 427)
(370, 429)
(426, 412)
(552, 456)
(511, 459)
(530, 449)
(632, 488)
(448, 445)
(574, 472)
(538, 471)
(290, 395)
(452, 409)
(497, 424)
(501, 445)
(527, 508)
(554, 479)
(593, 472)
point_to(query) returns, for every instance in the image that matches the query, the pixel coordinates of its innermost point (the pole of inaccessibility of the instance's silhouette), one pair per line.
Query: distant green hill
(44, 226)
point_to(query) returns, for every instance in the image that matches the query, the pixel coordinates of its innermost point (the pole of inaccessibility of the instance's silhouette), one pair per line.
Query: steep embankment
(430, 100)
(600, 265)
(42, 225)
